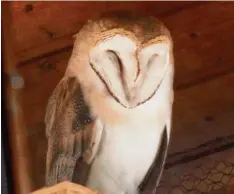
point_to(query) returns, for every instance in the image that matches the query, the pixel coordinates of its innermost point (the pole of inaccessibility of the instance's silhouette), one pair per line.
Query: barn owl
(108, 121)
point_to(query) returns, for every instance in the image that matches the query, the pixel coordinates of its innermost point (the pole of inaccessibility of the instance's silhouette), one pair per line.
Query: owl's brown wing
(73, 135)
(153, 176)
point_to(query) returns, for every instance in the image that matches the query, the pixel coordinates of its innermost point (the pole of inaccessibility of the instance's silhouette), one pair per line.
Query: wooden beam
(43, 27)
(33, 36)
(19, 145)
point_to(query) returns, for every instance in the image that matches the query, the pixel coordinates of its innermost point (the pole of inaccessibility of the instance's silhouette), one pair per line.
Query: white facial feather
(126, 50)
(130, 75)
(154, 61)
(114, 59)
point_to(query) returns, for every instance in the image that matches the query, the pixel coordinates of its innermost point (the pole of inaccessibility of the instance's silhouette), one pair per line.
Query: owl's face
(130, 73)
(131, 70)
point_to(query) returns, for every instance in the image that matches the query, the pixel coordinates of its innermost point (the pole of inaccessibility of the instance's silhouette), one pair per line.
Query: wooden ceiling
(43, 27)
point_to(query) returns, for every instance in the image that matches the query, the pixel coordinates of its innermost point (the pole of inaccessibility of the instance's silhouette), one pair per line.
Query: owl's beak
(131, 96)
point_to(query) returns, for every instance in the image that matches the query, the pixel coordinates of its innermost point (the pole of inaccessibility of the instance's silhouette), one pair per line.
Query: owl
(108, 121)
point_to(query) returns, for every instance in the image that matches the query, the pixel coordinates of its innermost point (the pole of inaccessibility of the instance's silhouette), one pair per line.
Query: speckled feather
(67, 119)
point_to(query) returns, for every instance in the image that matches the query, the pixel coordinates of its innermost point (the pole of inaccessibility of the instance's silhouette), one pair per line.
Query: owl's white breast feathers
(129, 147)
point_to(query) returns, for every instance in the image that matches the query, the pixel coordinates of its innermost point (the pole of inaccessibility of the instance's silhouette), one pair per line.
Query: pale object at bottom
(65, 188)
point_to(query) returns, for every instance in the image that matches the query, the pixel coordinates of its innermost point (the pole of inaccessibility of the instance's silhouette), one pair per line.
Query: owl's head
(125, 57)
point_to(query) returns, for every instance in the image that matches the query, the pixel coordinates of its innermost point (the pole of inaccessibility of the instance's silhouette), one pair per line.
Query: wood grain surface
(42, 27)
(20, 157)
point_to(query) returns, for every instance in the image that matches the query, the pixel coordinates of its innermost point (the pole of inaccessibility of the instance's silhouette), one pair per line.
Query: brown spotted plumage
(69, 130)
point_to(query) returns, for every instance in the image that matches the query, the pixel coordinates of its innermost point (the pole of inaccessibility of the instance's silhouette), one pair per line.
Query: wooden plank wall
(203, 34)
(43, 27)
